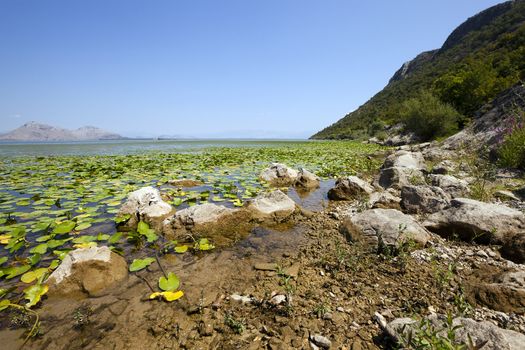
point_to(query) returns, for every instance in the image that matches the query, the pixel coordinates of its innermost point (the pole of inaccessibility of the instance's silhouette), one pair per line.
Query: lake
(123, 147)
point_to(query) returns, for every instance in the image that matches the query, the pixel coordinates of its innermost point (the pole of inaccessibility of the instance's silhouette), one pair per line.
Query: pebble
(242, 298)
(340, 309)
(278, 299)
(482, 254)
(321, 341)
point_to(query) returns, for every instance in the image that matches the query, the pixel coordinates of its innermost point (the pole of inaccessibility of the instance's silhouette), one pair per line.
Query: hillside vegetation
(481, 58)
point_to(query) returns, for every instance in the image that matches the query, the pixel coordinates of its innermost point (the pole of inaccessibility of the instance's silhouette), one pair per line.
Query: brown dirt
(338, 288)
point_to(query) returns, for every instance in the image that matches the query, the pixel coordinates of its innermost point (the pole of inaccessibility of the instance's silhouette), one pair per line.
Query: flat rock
(384, 200)
(350, 188)
(265, 266)
(272, 206)
(474, 220)
(88, 271)
(397, 177)
(377, 228)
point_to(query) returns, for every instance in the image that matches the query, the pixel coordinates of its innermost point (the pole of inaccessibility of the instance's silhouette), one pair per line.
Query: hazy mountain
(34, 131)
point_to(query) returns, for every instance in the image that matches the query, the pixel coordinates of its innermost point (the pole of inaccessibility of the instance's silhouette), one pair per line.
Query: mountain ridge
(493, 40)
(34, 131)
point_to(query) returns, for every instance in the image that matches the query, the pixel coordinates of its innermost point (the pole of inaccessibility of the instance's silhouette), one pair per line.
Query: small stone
(278, 299)
(241, 298)
(321, 341)
(482, 254)
(340, 309)
(292, 271)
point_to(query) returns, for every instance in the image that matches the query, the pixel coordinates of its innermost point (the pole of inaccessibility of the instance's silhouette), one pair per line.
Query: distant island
(34, 131)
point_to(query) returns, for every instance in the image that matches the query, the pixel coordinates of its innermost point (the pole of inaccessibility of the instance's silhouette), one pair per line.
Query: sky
(215, 68)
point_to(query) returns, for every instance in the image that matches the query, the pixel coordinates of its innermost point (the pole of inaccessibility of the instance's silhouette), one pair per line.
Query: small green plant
(81, 316)
(321, 309)
(237, 326)
(461, 304)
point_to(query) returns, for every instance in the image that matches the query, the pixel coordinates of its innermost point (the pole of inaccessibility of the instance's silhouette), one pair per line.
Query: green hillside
(481, 58)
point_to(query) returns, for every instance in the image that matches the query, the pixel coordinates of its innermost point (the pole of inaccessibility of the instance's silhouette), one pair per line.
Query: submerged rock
(145, 204)
(350, 188)
(185, 183)
(88, 271)
(423, 199)
(377, 228)
(473, 220)
(493, 337)
(279, 175)
(274, 206)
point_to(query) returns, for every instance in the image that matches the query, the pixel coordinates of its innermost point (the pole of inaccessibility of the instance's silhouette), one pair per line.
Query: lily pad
(64, 227)
(168, 295)
(34, 293)
(170, 283)
(139, 264)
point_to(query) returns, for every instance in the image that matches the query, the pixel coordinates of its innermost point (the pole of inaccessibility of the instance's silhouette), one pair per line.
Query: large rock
(350, 188)
(402, 168)
(145, 204)
(514, 248)
(307, 180)
(423, 199)
(405, 159)
(444, 167)
(90, 271)
(279, 175)
(377, 228)
(450, 184)
(495, 338)
(398, 177)
(501, 291)
(473, 220)
(274, 206)
(384, 200)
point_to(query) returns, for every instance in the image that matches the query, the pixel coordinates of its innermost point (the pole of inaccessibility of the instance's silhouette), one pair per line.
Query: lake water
(122, 147)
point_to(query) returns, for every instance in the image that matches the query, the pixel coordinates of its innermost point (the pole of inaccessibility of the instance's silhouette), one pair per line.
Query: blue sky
(216, 68)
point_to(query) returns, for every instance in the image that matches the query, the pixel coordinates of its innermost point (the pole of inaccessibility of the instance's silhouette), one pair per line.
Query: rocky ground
(404, 244)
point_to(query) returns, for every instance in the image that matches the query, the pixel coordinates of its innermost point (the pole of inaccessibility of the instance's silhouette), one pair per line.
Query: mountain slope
(481, 58)
(34, 131)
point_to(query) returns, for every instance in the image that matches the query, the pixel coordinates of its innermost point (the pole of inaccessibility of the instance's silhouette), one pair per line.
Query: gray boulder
(384, 200)
(402, 168)
(350, 188)
(279, 175)
(274, 206)
(307, 180)
(450, 184)
(423, 199)
(377, 228)
(485, 332)
(473, 220)
(444, 167)
(90, 271)
(145, 204)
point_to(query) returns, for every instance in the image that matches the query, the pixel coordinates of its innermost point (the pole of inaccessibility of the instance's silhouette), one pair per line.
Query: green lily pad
(139, 264)
(34, 293)
(64, 227)
(169, 284)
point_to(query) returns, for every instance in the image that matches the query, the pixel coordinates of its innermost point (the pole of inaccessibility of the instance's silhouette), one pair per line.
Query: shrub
(512, 150)
(428, 117)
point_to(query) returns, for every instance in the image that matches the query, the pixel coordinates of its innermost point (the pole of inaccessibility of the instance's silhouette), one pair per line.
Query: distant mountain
(481, 58)
(34, 131)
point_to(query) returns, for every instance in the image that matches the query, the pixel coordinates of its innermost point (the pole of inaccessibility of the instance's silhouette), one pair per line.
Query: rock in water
(350, 188)
(307, 180)
(274, 206)
(91, 271)
(145, 204)
(279, 175)
(423, 199)
(470, 219)
(384, 227)
(207, 219)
